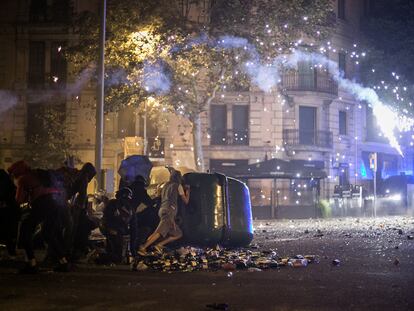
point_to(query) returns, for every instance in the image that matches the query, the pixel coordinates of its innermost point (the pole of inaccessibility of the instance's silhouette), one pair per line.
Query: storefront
(282, 189)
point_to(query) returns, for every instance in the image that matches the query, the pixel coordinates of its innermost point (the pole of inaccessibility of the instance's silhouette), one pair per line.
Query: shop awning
(280, 169)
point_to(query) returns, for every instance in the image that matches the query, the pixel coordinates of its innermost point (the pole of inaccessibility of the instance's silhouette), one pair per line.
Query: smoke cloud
(156, 78)
(267, 76)
(7, 100)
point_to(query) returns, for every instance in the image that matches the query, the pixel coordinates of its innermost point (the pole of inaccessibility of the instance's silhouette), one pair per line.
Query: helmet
(124, 193)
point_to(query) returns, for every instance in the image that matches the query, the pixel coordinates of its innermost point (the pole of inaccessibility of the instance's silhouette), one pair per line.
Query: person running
(167, 229)
(47, 207)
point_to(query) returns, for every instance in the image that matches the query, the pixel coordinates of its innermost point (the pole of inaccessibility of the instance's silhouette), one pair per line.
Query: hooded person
(115, 221)
(46, 207)
(167, 228)
(140, 224)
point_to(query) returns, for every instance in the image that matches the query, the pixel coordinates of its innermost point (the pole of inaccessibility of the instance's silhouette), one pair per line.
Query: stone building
(311, 122)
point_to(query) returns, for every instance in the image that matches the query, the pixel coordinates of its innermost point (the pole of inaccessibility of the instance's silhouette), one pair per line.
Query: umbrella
(133, 166)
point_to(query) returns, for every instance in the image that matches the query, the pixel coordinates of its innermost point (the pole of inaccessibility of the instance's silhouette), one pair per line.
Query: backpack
(49, 178)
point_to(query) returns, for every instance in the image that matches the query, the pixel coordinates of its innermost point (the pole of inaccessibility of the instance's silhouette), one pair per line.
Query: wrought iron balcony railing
(322, 139)
(229, 137)
(313, 82)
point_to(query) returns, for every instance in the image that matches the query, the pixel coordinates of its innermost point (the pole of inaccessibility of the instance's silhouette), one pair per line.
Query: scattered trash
(410, 237)
(336, 262)
(297, 263)
(254, 270)
(187, 259)
(218, 306)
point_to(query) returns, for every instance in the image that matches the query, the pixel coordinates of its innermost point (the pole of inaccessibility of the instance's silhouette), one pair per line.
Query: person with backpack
(167, 228)
(9, 213)
(37, 188)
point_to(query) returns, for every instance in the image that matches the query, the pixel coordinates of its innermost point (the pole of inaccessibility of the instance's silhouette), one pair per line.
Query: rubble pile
(187, 259)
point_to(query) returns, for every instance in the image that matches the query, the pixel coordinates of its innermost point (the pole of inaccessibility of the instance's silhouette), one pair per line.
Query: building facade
(309, 120)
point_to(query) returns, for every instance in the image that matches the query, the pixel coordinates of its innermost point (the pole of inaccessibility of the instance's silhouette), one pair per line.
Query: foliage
(179, 40)
(51, 147)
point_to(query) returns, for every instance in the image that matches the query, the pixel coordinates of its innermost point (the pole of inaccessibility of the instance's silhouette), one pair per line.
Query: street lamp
(100, 98)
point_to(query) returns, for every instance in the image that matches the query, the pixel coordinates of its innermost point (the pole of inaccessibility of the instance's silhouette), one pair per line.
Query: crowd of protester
(50, 208)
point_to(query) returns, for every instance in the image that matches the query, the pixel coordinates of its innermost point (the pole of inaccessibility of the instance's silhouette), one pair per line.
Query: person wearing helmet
(116, 217)
(167, 228)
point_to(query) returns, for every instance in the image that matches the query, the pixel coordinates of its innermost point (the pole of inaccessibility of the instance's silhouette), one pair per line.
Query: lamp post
(100, 97)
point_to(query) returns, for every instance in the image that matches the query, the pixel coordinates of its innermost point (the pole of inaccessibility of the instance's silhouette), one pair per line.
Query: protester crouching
(117, 215)
(46, 207)
(142, 216)
(75, 186)
(9, 213)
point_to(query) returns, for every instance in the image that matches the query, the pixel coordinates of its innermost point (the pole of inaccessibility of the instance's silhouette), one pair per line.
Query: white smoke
(7, 100)
(388, 119)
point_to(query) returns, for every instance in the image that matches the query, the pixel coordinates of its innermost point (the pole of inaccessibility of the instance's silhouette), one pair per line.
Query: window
(307, 125)
(240, 117)
(221, 133)
(342, 123)
(49, 11)
(36, 65)
(307, 76)
(58, 65)
(218, 121)
(343, 176)
(342, 64)
(38, 9)
(341, 9)
(126, 122)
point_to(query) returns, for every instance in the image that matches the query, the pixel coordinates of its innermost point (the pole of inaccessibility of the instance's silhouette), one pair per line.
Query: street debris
(187, 259)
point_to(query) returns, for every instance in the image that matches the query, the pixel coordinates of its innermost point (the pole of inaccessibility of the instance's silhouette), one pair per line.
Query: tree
(51, 147)
(178, 52)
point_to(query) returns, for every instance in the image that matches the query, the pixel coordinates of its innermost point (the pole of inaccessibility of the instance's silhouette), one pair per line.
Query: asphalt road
(376, 272)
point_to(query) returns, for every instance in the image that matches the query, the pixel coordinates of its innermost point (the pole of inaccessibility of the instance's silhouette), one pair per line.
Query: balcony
(310, 82)
(230, 137)
(320, 139)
